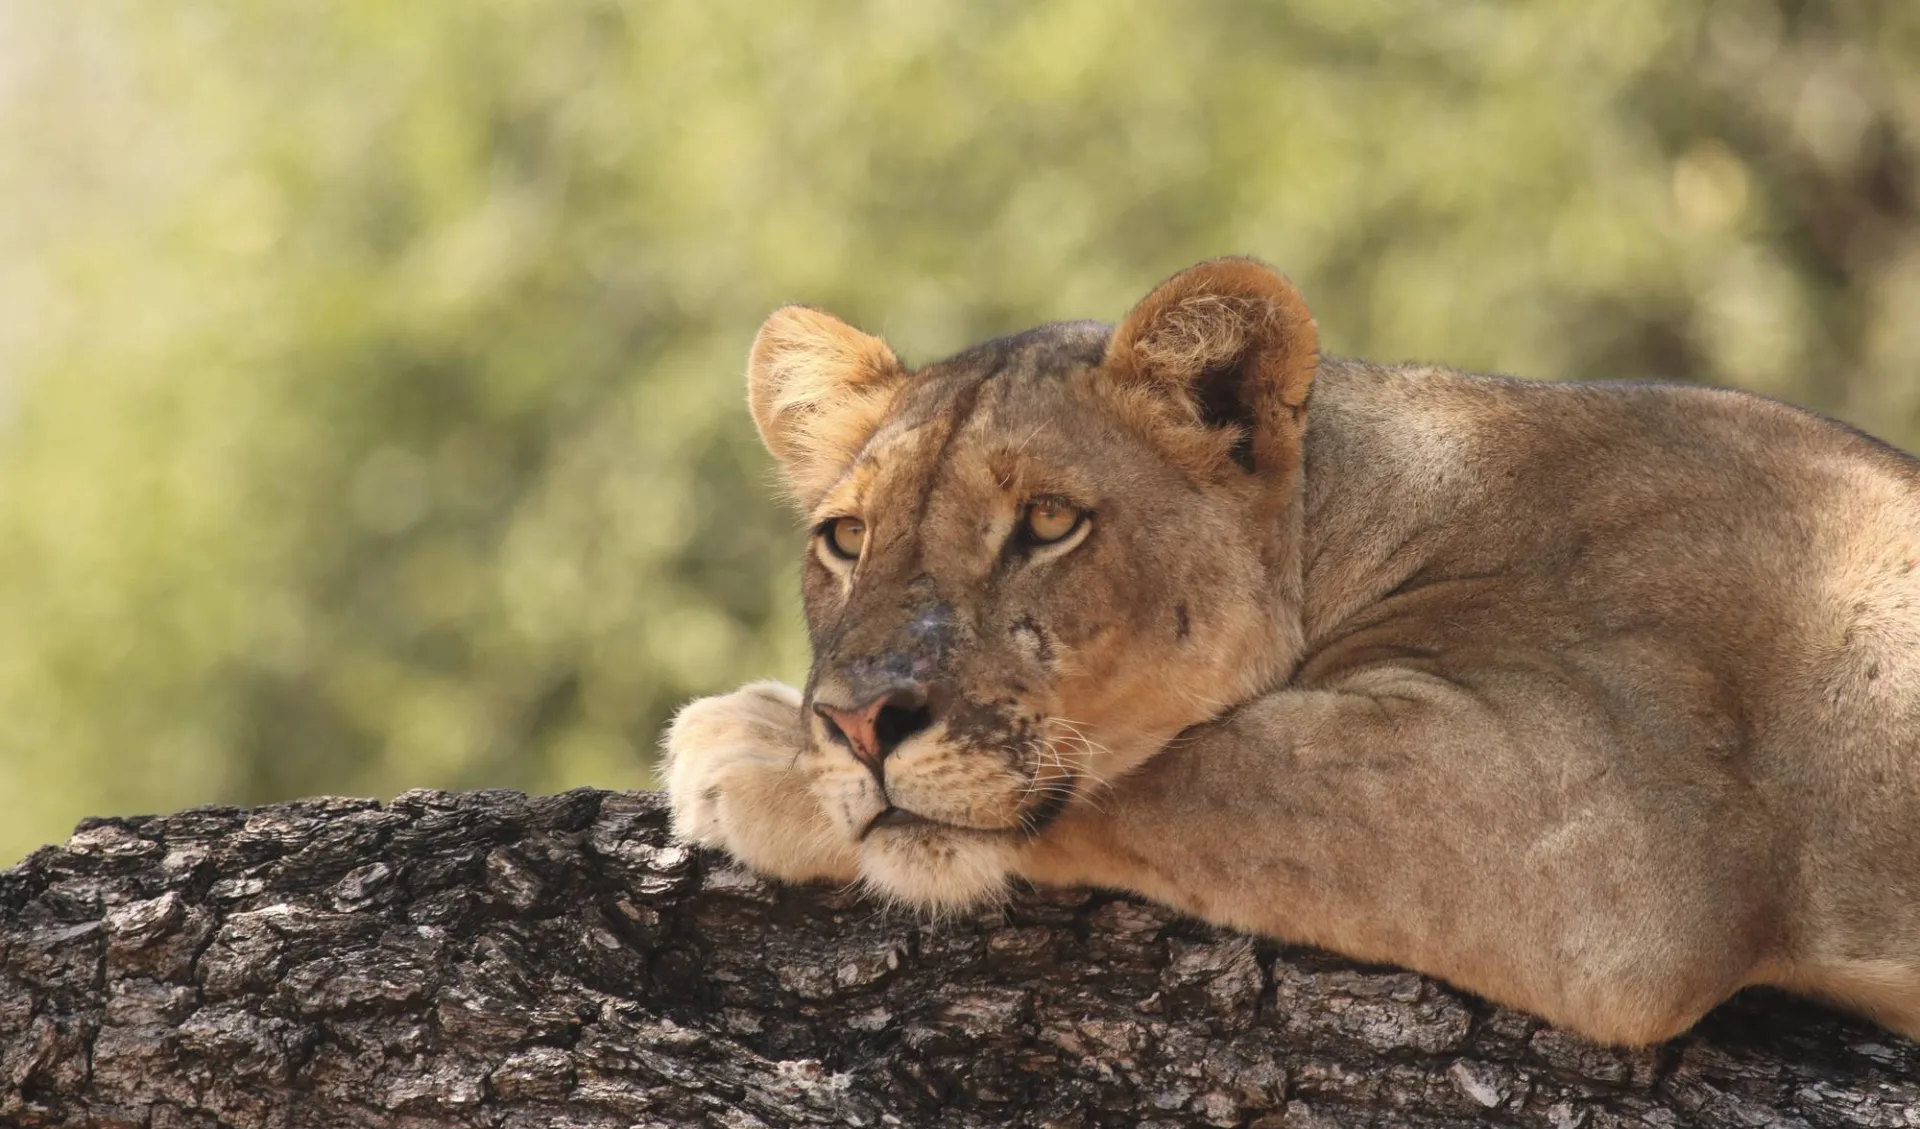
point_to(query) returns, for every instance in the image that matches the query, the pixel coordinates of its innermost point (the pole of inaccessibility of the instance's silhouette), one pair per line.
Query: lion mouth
(892, 816)
(1037, 817)
(903, 819)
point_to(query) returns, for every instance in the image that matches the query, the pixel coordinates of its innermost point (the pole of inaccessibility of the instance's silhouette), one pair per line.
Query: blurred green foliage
(370, 407)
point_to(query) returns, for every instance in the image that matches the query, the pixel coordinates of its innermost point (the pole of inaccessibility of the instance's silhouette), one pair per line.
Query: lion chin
(937, 869)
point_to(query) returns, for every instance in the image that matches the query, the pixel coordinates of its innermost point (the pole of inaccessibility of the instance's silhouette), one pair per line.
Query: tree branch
(492, 960)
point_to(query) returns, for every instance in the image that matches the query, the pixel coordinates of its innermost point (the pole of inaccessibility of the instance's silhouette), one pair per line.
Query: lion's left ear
(1223, 354)
(818, 389)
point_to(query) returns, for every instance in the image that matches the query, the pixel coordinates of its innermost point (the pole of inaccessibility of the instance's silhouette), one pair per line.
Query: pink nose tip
(859, 727)
(872, 731)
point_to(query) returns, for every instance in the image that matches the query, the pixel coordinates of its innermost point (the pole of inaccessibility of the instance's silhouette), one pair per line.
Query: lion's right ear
(1219, 360)
(818, 389)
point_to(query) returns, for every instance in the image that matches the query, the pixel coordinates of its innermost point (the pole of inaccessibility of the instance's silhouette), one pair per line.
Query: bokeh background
(370, 397)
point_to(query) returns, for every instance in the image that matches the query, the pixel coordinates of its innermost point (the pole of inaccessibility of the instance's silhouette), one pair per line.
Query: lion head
(1033, 564)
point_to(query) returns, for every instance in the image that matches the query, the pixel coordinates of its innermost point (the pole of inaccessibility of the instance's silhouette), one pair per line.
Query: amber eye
(1048, 522)
(844, 537)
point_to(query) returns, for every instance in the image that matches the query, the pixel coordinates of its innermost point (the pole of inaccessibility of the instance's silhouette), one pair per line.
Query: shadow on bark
(487, 959)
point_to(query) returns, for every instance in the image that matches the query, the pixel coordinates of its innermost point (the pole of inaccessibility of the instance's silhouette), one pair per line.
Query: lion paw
(734, 777)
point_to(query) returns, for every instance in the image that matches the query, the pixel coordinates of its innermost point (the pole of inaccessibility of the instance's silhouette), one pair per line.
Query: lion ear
(818, 388)
(1220, 357)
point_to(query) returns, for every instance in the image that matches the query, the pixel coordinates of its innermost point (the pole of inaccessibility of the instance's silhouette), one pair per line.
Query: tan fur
(1602, 701)
(1233, 311)
(736, 793)
(817, 388)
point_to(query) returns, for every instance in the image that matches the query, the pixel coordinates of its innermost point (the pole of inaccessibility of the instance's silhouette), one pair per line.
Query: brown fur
(1602, 701)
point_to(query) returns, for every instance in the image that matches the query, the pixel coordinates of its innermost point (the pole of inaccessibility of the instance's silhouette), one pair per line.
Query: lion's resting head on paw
(1036, 562)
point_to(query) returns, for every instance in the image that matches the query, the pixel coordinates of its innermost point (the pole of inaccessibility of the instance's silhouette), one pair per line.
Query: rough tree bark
(493, 960)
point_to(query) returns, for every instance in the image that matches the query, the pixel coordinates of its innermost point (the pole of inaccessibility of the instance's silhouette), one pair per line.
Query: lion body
(1602, 701)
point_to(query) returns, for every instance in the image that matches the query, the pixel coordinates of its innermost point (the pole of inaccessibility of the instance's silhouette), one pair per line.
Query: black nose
(875, 728)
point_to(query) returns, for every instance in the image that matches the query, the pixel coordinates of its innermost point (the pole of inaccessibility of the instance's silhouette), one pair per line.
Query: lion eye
(845, 536)
(1048, 522)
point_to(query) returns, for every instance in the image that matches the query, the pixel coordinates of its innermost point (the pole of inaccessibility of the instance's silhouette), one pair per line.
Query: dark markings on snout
(989, 728)
(931, 635)
(1182, 626)
(916, 650)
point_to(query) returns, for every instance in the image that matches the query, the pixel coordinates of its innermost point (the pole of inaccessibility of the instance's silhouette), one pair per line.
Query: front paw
(736, 782)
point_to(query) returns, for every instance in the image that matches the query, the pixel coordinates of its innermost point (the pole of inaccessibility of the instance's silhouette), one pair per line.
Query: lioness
(1599, 700)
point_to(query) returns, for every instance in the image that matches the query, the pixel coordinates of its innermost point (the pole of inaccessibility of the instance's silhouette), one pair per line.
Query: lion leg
(1886, 990)
(1402, 824)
